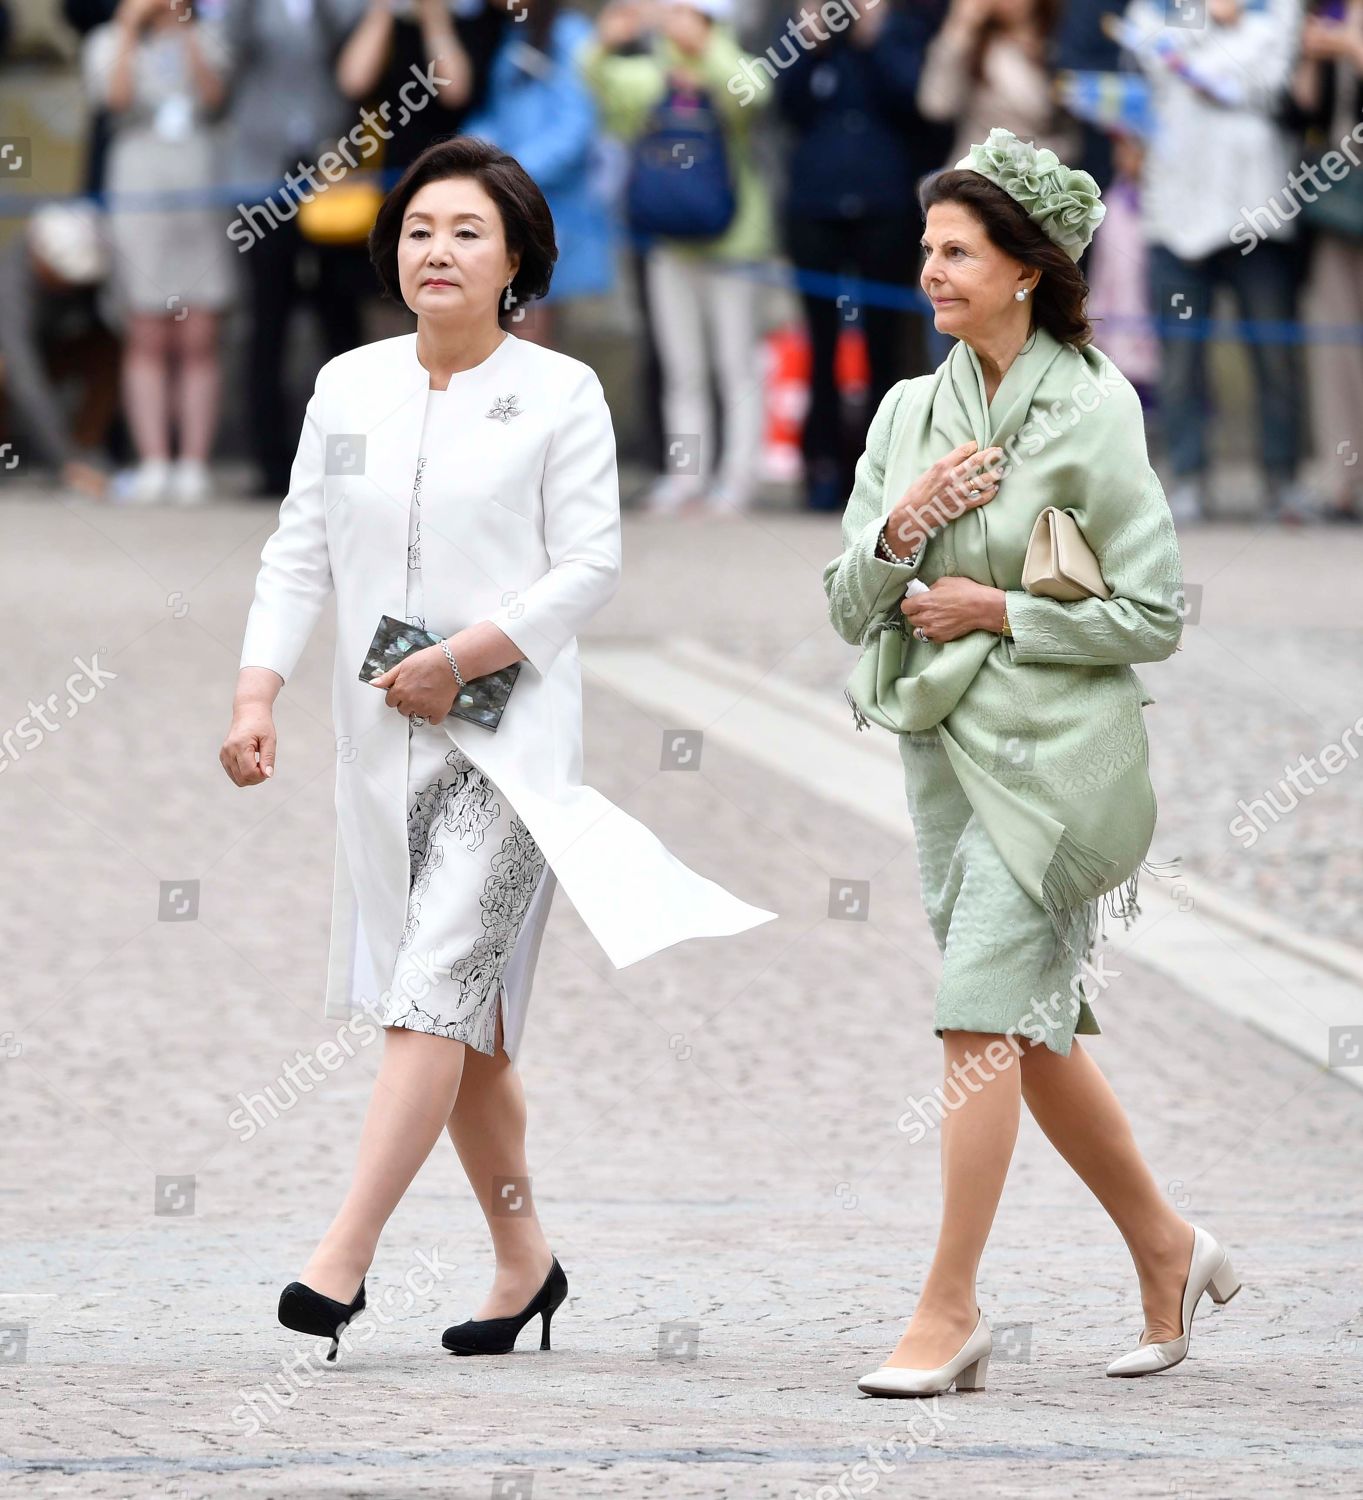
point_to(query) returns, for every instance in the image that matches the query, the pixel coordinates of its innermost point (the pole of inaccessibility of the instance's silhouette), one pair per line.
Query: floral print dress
(473, 864)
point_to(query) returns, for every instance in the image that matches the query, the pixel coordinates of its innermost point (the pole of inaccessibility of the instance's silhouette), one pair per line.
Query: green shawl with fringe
(1045, 731)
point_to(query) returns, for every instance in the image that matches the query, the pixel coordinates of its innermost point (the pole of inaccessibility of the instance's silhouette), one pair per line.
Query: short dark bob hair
(1060, 295)
(526, 221)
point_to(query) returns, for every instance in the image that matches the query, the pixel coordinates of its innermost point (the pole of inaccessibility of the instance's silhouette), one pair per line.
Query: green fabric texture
(628, 87)
(1002, 970)
(1044, 732)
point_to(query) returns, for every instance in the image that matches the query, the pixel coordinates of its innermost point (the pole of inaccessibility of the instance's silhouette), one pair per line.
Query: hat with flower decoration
(1062, 201)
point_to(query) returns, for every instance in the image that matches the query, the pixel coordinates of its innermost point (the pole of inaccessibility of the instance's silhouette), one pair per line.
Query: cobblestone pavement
(713, 1130)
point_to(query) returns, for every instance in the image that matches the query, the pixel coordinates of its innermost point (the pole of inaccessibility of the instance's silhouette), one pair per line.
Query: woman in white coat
(461, 479)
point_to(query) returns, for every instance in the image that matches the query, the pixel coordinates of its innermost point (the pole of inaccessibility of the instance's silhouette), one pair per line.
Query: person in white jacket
(463, 481)
(1215, 173)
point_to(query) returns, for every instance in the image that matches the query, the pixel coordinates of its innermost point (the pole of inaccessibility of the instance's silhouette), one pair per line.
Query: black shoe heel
(498, 1335)
(307, 1311)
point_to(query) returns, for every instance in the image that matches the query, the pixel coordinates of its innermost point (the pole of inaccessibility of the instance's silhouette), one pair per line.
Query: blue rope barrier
(826, 284)
(887, 294)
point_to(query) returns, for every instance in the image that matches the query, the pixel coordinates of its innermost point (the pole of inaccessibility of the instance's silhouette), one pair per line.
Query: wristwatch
(1007, 628)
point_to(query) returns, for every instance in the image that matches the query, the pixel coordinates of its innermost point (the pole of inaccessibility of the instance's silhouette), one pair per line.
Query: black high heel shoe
(498, 1335)
(306, 1311)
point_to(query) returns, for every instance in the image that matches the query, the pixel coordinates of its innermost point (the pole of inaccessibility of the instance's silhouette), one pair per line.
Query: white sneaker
(149, 482)
(189, 482)
(1187, 500)
(723, 500)
(671, 492)
(1293, 503)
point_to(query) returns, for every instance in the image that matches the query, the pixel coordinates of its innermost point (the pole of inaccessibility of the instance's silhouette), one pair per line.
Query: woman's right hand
(133, 15)
(621, 22)
(967, 17)
(1324, 40)
(942, 493)
(247, 754)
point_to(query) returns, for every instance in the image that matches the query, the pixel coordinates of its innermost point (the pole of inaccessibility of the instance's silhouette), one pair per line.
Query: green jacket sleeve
(1143, 619)
(626, 88)
(861, 586)
(722, 60)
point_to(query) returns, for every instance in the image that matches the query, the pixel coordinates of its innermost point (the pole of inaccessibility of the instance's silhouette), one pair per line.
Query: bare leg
(200, 381)
(146, 383)
(487, 1126)
(1075, 1106)
(414, 1092)
(977, 1146)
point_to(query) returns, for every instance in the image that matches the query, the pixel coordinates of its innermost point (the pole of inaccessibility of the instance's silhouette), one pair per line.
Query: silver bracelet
(449, 656)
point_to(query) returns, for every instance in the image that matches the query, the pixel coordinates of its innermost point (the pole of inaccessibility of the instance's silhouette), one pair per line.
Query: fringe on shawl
(1076, 922)
(858, 718)
(1074, 867)
(896, 623)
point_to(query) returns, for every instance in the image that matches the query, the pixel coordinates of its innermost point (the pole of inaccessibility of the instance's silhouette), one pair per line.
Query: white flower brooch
(504, 408)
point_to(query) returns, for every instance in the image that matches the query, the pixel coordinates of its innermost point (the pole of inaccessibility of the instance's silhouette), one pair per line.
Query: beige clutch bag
(1060, 564)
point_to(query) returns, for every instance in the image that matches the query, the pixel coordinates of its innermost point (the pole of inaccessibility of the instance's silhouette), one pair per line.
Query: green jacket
(1044, 731)
(628, 88)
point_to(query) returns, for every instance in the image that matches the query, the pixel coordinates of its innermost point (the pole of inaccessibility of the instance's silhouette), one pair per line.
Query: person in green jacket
(701, 304)
(1020, 724)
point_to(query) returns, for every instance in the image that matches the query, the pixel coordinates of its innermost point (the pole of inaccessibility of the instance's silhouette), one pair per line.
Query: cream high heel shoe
(1208, 1271)
(966, 1369)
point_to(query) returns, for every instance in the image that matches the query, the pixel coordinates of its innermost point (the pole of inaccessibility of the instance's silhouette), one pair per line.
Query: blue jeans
(1264, 286)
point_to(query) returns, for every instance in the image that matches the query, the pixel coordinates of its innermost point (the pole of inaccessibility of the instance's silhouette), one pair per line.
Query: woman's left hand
(954, 607)
(1323, 40)
(421, 683)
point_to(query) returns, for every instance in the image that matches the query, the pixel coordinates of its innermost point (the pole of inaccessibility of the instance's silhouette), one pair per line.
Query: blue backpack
(679, 181)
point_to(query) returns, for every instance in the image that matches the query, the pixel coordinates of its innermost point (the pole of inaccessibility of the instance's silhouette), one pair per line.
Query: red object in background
(786, 365)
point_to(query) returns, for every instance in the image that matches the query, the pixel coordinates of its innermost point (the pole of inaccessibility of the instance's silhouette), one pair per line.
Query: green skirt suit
(1025, 759)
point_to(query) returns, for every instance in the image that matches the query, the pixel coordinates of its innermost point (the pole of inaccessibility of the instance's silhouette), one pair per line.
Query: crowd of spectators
(1215, 129)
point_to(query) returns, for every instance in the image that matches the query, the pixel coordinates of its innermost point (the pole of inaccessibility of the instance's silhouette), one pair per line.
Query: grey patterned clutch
(480, 701)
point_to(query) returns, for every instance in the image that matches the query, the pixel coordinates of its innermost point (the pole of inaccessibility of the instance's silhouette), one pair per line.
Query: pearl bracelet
(449, 656)
(884, 550)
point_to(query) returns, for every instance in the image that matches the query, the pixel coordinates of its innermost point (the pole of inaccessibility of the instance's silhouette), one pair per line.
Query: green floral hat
(1061, 200)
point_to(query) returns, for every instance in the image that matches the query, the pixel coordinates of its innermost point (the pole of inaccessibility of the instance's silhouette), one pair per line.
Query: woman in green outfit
(1020, 723)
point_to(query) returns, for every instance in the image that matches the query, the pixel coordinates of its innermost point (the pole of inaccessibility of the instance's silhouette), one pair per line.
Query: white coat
(521, 526)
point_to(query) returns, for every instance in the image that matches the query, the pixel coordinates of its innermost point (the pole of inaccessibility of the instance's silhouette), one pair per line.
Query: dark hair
(526, 221)
(1043, 19)
(1060, 295)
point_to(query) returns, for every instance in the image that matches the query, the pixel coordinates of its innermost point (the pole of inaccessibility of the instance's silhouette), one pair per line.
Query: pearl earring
(1020, 296)
(508, 299)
